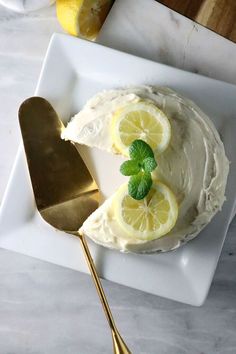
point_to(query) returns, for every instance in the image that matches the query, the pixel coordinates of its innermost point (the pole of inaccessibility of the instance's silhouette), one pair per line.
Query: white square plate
(73, 71)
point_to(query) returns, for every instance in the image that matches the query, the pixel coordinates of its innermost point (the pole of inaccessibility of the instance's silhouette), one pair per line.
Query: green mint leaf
(149, 164)
(130, 167)
(139, 185)
(139, 150)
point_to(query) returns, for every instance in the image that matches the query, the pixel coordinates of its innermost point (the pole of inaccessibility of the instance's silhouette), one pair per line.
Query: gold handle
(119, 345)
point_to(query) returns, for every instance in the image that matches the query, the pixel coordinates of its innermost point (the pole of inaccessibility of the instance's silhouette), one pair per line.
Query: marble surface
(153, 31)
(46, 309)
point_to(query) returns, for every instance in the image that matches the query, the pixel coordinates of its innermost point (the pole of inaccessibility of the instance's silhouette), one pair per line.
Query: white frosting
(91, 126)
(194, 165)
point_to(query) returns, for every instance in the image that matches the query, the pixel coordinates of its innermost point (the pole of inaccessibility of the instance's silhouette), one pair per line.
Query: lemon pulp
(149, 218)
(141, 120)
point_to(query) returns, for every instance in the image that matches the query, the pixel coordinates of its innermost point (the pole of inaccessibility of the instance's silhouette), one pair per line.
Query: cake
(190, 156)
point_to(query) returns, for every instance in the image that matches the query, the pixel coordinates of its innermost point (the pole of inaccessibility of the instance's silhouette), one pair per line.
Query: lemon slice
(141, 120)
(82, 18)
(149, 218)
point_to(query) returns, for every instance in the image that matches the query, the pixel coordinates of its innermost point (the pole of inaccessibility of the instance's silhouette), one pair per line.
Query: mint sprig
(139, 185)
(139, 150)
(149, 164)
(130, 167)
(139, 167)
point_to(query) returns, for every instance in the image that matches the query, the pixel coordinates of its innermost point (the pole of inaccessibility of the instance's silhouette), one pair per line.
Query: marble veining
(47, 309)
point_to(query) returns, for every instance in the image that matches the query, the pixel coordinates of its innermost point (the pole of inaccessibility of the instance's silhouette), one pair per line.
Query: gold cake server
(65, 192)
